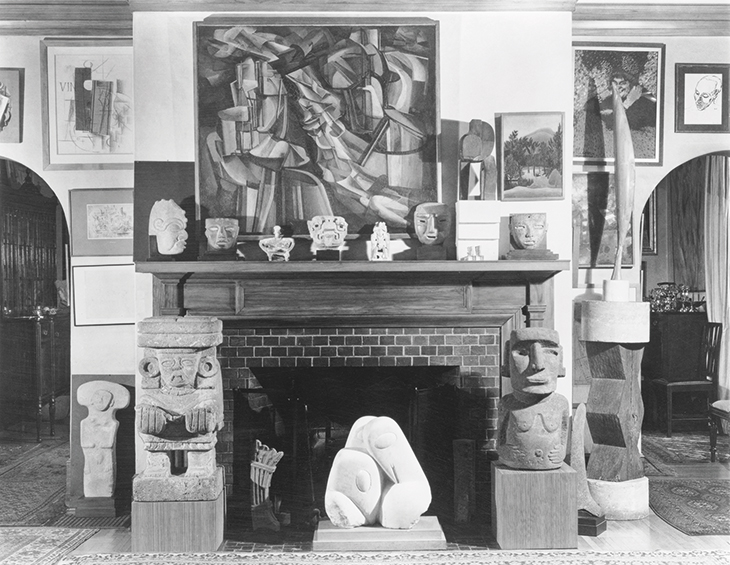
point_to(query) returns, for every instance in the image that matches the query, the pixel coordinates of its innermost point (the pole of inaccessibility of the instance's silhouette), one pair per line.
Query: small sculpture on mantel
(221, 234)
(527, 237)
(167, 224)
(278, 247)
(328, 237)
(433, 224)
(380, 243)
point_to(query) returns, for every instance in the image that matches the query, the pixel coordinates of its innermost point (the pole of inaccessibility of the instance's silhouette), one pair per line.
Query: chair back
(710, 354)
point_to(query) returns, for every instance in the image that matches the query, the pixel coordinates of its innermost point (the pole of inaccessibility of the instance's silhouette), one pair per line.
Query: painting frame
(649, 226)
(12, 93)
(95, 130)
(545, 143)
(102, 221)
(365, 176)
(709, 114)
(92, 287)
(638, 70)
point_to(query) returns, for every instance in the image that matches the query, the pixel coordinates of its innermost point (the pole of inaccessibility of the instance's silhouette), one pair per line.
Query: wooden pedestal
(178, 526)
(534, 509)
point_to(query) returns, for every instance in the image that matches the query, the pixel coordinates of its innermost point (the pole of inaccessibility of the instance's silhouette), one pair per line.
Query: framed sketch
(87, 103)
(637, 70)
(702, 98)
(304, 117)
(93, 289)
(530, 152)
(11, 105)
(594, 221)
(102, 221)
(648, 227)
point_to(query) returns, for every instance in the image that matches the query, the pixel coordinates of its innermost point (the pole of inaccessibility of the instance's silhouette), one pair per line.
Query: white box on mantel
(477, 225)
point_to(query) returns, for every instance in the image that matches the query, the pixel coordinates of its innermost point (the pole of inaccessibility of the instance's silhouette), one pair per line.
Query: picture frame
(348, 115)
(595, 232)
(93, 285)
(12, 91)
(702, 98)
(638, 71)
(530, 151)
(102, 221)
(649, 227)
(87, 103)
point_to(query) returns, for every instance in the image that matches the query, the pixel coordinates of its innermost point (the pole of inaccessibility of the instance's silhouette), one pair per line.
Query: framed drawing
(530, 152)
(648, 226)
(702, 96)
(102, 221)
(637, 71)
(93, 287)
(87, 103)
(11, 105)
(304, 117)
(594, 221)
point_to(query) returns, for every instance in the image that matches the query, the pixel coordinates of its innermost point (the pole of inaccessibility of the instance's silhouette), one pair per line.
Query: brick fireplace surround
(360, 314)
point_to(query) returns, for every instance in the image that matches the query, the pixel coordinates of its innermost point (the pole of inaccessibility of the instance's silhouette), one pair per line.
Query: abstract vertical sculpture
(262, 469)
(179, 408)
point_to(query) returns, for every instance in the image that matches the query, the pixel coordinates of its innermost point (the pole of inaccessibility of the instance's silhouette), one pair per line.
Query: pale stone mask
(221, 233)
(536, 361)
(432, 222)
(167, 224)
(328, 232)
(706, 91)
(527, 230)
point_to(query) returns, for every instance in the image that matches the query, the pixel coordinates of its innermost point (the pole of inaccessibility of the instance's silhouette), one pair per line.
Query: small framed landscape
(702, 98)
(530, 149)
(102, 221)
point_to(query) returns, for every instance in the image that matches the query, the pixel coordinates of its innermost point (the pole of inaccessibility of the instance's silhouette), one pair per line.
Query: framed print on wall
(648, 226)
(93, 287)
(702, 95)
(299, 117)
(87, 103)
(530, 151)
(594, 220)
(637, 70)
(11, 105)
(102, 221)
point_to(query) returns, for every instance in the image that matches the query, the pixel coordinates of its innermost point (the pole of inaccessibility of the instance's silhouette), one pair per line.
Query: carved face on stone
(221, 233)
(706, 91)
(178, 371)
(101, 400)
(536, 361)
(432, 222)
(167, 224)
(527, 230)
(328, 231)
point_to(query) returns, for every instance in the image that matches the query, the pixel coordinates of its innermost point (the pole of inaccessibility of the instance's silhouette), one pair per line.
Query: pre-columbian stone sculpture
(376, 478)
(432, 222)
(167, 224)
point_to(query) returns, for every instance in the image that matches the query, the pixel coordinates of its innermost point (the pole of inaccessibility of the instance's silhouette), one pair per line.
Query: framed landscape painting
(300, 117)
(530, 155)
(11, 105)
(637, 71)
(702, 98)
(102, 221)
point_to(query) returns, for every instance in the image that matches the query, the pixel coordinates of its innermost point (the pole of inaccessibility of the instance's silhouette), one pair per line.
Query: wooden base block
(426, 534)
(534, 509)
(185, 526)
(590, 525)
(95, 507)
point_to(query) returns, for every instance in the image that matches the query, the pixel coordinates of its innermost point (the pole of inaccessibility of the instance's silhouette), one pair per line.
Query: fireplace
(437, 328)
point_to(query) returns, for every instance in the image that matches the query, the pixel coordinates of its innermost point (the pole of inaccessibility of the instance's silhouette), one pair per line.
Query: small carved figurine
(277, 248)
(328, 236)
(221, 233)
(167, 224)
(380, 243)
(433, 224)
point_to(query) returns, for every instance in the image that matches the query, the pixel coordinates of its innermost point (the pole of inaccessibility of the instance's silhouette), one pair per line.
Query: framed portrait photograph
(93, 287)
(530, 152)
(637, 72)
(11, 105)
(301, 117)
(702, 96)
(102, 221)
(87, 103)
(594, 221)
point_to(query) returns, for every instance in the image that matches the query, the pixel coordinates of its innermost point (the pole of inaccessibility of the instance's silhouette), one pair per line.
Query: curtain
(686, 208)
(717, 246)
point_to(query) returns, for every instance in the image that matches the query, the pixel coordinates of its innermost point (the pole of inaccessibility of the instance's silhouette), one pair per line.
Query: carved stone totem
(179, 409)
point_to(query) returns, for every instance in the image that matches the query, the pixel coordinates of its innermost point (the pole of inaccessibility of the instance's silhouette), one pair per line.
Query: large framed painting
(637, 71)
(594, 221)
(304, 117)
(102, 221)
(702, 96)
(87, 103)
(530, 155)
(11, 105)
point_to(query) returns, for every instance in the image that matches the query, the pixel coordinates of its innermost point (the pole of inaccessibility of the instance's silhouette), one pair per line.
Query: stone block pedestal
(534, 509)
(425, 535)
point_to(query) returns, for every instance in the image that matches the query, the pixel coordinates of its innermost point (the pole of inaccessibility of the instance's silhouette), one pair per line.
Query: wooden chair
(703, 381)
(719, 410)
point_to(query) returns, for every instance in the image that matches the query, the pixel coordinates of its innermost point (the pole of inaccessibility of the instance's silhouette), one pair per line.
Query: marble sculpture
(167, 224)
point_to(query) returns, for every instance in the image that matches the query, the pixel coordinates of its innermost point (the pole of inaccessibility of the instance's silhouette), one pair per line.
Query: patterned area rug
(495, 557)
(683, 447)
(33, 485)
(39, 546)
(696, 507)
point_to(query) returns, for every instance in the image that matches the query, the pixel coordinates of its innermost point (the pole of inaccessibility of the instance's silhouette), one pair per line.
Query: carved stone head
(327, 232)
(528, 231)
(221, 233)
(167, 224)
(535, 361)
(432, 222)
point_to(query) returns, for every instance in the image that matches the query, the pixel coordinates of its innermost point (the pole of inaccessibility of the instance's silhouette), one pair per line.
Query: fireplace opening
(307, 413)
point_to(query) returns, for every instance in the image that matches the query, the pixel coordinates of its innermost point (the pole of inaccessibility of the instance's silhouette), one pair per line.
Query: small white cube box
(477, 225)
